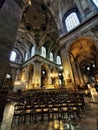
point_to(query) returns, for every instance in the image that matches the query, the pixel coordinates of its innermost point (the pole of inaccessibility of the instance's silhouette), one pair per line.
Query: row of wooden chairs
(48, 106)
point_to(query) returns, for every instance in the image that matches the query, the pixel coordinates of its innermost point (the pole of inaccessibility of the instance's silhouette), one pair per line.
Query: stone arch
(84, 53)
(83, 46)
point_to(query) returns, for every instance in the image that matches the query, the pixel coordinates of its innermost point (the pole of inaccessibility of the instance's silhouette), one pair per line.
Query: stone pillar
(82, 82)
(27, 78)
(75, 70)
(66, 65)
(36, 79)
(57, 79)
(71, 74)
(68, 75)
(18, 75)
(10, 16)
(49, 75)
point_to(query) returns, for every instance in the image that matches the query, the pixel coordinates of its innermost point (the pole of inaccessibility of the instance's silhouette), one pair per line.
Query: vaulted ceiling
(37, 28)
(41, 25)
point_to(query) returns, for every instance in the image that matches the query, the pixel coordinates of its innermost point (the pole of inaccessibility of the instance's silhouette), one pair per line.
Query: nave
(86, 121)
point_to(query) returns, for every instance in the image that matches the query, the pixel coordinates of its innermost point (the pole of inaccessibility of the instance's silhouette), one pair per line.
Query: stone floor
(89, 120)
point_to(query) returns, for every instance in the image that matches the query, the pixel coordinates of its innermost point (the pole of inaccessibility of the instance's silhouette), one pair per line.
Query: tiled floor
(87, 122)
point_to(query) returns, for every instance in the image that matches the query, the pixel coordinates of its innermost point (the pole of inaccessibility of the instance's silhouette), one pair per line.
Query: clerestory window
(43, 52)
(13, 56)
(58, 60)
(26, 56)
(72, 21)
(51, 56)
(32, 51)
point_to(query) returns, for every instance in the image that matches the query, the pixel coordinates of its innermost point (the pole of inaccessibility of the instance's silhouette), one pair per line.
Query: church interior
(49, 64)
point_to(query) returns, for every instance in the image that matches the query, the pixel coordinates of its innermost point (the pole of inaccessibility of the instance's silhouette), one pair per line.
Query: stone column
(82, 82)
(10, 16)
(36, 79)
(49, 75)
(27, 77)
(68, 76)
(57, 79)
(65, 65)
(75, 70)
(71, 70)
(18, 74)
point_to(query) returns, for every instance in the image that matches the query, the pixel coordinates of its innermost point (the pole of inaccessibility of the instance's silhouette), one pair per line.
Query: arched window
(58, 59)
(72, 21)
(95, 2)
(26, 56)
(43, 52)
(32, 51)
(13, 56)
(51, 56)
